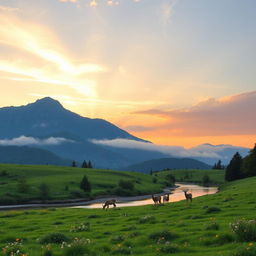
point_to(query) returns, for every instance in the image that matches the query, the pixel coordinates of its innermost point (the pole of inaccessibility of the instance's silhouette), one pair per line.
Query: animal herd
(157, 199)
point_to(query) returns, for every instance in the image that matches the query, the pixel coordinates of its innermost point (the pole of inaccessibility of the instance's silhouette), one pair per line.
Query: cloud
(46, 60)
(26, 141)
(8, 9)
(166, 11)
(169, 150)
(233, 115)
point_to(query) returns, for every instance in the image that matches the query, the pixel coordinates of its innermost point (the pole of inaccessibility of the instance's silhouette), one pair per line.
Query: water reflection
(176, 195)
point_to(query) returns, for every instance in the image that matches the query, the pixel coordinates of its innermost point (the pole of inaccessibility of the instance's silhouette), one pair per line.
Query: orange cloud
(232, 115)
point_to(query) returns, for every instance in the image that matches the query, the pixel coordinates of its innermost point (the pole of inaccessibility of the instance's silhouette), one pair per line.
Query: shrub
(212, 209)
(219, 239)
(245, 230)
(14, 248)
(163, 236)
(54, 238)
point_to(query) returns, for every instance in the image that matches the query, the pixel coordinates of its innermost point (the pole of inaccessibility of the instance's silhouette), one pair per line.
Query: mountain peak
(47, 102)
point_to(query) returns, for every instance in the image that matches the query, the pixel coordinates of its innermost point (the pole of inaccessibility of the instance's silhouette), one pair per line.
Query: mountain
(47, 116)
(47, 125)
(167, 163)
(213, 153)
(29, 155)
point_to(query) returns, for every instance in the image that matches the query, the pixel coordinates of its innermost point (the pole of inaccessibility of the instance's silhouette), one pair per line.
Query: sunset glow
(173, 72)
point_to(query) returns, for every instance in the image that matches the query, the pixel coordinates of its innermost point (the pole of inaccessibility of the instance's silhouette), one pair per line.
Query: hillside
(30, 155)
(167, 163)
(182, 229)
(21, 183)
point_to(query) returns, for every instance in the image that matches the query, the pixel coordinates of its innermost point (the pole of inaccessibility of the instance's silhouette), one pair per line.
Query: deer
(166, 198)
(156, 199)
(108, 203)
(188, 195)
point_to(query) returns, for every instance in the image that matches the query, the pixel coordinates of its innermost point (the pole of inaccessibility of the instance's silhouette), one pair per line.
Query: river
(177, 194)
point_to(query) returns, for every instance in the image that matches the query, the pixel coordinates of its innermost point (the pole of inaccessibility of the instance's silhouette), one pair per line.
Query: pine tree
(234, 168)
(218, 165)
(84, 165)
(249, 163)
(73, 164)
(89, 164)
(85, 185)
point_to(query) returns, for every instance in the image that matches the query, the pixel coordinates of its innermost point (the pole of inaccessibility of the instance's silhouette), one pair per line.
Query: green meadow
(23, 183)
(202, 227)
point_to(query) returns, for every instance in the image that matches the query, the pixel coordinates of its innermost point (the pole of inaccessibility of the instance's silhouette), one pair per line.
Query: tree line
(240, 167)
(83, 165)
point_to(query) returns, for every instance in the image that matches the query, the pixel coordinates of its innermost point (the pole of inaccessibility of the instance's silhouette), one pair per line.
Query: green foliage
(170, 179)
(54, 238)
(117, 239)
(85, 184)
(249, 163)
(245, 230)
(234, 168)
(169, 248)
(77, 247)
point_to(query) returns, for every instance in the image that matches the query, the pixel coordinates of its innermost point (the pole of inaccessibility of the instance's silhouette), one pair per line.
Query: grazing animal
(166, 198)
(156, 199)
(109, 202)
(187, 195)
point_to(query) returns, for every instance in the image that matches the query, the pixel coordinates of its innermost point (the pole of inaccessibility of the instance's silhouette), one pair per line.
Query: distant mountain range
(167, 163)
(63, 136)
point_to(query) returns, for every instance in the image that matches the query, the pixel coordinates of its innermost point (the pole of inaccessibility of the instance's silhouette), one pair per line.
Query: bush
(23, 186)
(162, 236)
(245, 230)
(54, 238)
(206, 180)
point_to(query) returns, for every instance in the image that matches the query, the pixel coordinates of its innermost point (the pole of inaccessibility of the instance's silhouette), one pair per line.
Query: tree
(234, 168)
(126, 184)
(206, 180)
(73, 163)
(23, 186)
(84, 165)
(249, 163)
(170, 179)
(89, 164)
(85, 184)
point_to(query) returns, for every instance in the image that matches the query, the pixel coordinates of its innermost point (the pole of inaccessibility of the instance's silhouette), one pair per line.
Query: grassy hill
(21, 183)
(181, 228)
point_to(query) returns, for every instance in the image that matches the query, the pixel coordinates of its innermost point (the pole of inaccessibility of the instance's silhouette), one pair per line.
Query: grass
(216, 177)
(24, 183)
(21, 183)
(181, 228)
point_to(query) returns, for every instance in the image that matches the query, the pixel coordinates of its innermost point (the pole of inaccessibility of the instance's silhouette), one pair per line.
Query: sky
(175, 72)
